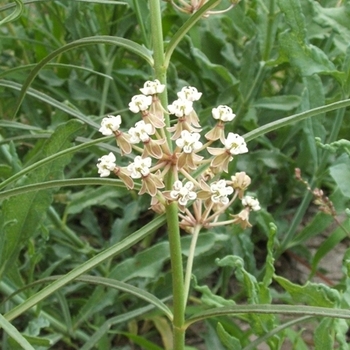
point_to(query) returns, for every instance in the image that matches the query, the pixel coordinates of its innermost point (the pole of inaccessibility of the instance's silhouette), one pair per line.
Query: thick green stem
(160, 70)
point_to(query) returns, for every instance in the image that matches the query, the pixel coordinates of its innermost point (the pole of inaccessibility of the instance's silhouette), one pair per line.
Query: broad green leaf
(338, 18)
(341, 175)
(211, 299)
(230, 342)
(319, 223)
(296, 339)
(323, 337)
(315, 294)
(101, 196)
(335, 238)
(257, 293)
(23, 214)
(308, 59)
(205, 242)
(146, 264)
(249, 69)
(293, 15)
(211, 338)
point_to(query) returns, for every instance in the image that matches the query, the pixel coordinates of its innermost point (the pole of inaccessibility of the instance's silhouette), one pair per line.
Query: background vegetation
(268, 60)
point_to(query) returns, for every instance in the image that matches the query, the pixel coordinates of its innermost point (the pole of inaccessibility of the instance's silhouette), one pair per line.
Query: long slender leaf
(51, 158)
(270, 309)
(83, 268)
(14, 333)
(94, 40)
(15, 14)
(294, 118)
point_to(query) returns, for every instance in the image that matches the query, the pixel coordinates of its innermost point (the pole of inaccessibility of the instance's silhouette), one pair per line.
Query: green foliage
(283, 67)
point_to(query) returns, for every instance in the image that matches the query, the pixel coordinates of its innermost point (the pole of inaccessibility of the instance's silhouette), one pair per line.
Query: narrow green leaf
(262, 130)
(88, 265)
(51, 158)
(128, 288)
(14, 333)
(51, 101)
(15, 14)
(95, 40)
(105, 327)
(269, 309)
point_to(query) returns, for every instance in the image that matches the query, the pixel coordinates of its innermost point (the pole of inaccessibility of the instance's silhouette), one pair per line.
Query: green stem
(190, 259)
(178, 36)
(269, 31)
(160, 69)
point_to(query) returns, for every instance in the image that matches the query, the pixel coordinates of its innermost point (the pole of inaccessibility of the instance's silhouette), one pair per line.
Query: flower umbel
(202, 195)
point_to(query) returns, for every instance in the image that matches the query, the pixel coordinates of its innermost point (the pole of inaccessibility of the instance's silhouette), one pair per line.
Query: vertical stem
(160, 69)
(171, 210)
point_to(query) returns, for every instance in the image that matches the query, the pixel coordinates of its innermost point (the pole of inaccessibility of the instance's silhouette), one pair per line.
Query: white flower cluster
(206, 188)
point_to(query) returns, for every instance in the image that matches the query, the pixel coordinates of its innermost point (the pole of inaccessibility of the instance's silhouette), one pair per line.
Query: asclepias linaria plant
(200, 191)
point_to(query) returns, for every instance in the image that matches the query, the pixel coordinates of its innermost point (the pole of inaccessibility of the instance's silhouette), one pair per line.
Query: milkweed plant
(184, 166)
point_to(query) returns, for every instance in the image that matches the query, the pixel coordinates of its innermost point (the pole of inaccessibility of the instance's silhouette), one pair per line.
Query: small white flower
(189, 141)
(141, 132)
(183, 193)
(223, 113)
(140, 103)
(220, 192)
(152, 87)
(110, 124)
(235, 144)
(140, 167)
(181, 108)
(106, 164)
(252, 203)
(189, 93)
